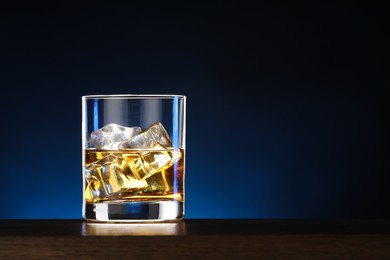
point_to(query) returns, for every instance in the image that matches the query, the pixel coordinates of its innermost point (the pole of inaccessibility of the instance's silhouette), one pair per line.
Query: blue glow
(175, 139)
(135, 208)
(95, 115)
(175, 116)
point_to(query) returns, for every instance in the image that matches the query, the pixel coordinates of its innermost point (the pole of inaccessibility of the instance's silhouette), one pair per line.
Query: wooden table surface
(197, 238)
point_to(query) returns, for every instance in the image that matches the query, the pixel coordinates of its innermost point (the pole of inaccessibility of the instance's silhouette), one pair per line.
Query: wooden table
(196, 238)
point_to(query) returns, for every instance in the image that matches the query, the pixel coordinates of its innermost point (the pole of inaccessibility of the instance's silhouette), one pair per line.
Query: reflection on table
(134, 229)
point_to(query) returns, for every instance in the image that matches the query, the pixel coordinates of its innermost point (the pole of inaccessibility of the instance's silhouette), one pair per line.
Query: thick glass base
(131, 211)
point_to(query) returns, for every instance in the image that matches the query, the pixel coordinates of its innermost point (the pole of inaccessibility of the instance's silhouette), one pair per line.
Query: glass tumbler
(133, 150)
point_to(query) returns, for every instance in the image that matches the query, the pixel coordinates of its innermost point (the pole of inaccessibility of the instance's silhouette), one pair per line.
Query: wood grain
(199, 239)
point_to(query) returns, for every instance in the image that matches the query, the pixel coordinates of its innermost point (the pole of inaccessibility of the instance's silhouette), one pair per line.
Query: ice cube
(109, 176)
(147, 163)
(111, 135)
(155, 134)
(104, 177)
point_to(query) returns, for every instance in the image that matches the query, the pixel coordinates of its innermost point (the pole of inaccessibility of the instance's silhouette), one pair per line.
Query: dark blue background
(286, 110)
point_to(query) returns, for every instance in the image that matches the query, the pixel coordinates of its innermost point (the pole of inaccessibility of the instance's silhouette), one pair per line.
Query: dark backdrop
(287, 109)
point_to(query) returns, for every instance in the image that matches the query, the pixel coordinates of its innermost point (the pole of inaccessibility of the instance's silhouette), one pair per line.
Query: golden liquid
(134, 175)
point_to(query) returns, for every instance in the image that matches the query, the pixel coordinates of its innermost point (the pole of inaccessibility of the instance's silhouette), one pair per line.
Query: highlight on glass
(133, 157)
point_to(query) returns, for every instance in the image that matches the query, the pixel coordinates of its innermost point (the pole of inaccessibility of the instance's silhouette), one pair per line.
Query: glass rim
(133, 96)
